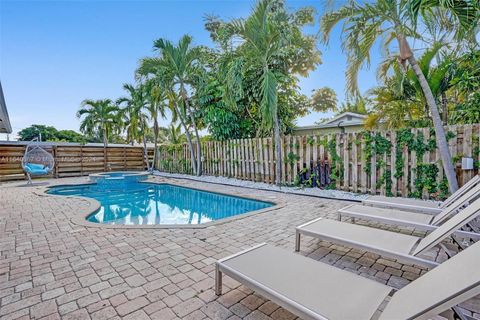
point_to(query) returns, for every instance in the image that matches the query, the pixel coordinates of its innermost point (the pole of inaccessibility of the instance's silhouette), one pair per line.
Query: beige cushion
(404, 203)
(354, 234)
(324, 290)
(370, 213)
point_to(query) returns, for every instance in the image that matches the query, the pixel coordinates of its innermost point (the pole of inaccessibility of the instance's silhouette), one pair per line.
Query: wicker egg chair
(37, 161)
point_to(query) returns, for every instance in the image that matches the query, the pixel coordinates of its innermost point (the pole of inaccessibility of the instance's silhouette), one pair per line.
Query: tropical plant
(156, 107)
(465, 89)
(133, 109)
(324, 99)
(172, 134)
(99, 116)
(399, 102)
(272, 49)
(178, 68)
(387, 20)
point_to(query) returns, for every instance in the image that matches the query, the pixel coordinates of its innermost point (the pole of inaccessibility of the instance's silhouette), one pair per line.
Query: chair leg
(29, 179)
(297, 241)
(218, 281)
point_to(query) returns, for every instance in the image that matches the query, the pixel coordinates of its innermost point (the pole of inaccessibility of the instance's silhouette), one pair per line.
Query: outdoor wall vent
(467, 163)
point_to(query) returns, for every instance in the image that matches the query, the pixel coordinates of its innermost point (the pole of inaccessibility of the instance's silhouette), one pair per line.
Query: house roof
(357, 119)
(5, 126)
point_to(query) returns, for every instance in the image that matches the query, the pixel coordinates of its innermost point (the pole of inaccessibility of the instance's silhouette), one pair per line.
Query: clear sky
(54, 54)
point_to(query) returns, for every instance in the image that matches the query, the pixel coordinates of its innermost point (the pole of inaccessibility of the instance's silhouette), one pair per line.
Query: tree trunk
(440, 136)
(278, 149)
(145, 152)
(189, 139)
(105, 140)
(155, 142)
(199, 146)
(444, 108)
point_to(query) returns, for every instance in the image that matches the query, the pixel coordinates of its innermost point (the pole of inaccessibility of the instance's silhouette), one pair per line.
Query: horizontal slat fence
(395, 163)
(71, 161)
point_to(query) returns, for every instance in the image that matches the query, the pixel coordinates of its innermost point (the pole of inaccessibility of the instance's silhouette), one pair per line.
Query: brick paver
(53, 268)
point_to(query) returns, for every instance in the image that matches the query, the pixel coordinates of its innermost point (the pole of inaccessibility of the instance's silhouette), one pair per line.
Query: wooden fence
(398, 163)
(73, 160)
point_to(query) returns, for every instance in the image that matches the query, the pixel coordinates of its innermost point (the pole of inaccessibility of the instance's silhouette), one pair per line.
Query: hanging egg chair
(37, 161)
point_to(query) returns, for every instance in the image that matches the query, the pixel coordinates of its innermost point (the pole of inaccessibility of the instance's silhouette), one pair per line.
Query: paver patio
(52, 268)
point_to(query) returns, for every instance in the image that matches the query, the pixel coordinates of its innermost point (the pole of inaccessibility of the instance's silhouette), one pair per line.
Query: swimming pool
(139, 203)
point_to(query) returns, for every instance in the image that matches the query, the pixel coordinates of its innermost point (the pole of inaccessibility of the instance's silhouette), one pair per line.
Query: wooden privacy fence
(397, 163)
(73, 160)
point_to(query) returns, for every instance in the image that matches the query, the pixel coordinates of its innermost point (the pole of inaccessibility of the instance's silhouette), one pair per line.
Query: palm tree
(387, 20)
(260, 59)
(130, 108)
(134, 112)
(262, 41)
(156, 107)
(173, 134)
(98, 116)
(400, 101)
(178, 68)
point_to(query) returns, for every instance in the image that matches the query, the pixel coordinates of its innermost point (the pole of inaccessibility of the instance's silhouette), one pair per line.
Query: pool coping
(94, 205)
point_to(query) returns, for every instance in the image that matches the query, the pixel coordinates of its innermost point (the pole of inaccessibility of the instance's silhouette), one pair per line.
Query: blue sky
(54, 54)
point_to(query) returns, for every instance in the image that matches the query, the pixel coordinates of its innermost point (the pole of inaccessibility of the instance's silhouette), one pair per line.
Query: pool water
(163, 204)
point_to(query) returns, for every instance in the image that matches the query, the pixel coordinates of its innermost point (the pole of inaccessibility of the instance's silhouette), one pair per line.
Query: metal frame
(391, 221)
(391, 205)
(266, 292)
(407, 258)
(280, 299)
(31, 146)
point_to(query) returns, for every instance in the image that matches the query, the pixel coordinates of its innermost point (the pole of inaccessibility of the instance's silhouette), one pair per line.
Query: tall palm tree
(387, 20)
(262, 41)
(156, 107)
(400, 99)
(177, 68)
(183, 64)
(98, 116)
(130, 107)
(134, 112)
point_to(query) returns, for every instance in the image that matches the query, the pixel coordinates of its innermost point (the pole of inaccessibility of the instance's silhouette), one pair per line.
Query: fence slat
(255, 159)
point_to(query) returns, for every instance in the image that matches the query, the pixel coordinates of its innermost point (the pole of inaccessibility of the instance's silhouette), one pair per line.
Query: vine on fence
(422, 179)
(336, 173)
(426, 173)
(376, 144)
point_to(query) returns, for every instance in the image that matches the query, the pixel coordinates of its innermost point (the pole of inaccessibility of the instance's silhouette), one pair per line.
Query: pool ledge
(94, 205)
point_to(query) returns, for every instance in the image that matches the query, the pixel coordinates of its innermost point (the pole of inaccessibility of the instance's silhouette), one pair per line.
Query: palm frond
(269, 98)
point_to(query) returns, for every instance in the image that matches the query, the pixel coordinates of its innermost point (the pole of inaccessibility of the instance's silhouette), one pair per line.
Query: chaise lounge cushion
(432, 207)
(361, 236)
(391, 214)
(307, 284)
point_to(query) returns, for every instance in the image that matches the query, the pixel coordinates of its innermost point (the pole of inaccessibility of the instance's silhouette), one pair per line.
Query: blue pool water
(148, 204)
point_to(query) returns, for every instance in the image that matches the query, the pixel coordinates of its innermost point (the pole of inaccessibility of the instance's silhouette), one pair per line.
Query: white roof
(338, 121)
(355, 117)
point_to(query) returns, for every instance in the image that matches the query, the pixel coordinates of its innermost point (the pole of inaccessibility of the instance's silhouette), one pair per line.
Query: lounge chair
(417, 205)
(315, 290)
(420, 221)
(386, 243)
